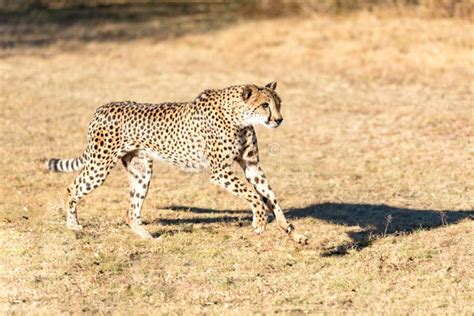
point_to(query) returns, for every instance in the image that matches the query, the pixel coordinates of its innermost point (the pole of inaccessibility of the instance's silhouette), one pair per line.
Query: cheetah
(209, 133)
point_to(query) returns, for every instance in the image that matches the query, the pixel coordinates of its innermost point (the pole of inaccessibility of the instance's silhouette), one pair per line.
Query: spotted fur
(209, 133)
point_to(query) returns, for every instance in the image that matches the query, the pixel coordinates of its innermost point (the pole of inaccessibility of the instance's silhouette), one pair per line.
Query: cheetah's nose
(278, 121)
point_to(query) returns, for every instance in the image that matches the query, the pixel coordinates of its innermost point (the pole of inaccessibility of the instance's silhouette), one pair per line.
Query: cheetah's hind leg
(91, 177)
(140, 169)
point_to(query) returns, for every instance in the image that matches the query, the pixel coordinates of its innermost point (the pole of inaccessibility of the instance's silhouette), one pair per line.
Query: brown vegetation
(432, 8)
(374, 163)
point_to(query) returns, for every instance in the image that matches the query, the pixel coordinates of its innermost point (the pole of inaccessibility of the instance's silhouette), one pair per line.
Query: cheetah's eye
(264, 105)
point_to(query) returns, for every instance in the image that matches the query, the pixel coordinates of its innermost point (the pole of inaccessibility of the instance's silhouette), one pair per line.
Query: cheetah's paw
(141, 231)
(259, 228)
(299, 238)
(74, 226)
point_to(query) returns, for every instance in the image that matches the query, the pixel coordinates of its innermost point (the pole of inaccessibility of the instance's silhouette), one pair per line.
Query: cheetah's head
(261, 105)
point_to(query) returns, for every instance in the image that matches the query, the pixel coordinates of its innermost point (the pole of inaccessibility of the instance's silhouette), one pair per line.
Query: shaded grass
(70, 27)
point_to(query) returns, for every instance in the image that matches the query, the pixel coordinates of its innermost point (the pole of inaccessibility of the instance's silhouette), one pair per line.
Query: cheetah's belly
(194, 162)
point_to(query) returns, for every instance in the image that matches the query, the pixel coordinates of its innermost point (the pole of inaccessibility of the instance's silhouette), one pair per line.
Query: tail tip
(50, 164)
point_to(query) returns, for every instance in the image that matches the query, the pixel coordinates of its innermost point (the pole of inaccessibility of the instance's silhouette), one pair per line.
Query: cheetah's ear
(247, 93)
(272, 85)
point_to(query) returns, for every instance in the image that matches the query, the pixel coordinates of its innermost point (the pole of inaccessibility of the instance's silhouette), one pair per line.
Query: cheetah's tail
(65, 165)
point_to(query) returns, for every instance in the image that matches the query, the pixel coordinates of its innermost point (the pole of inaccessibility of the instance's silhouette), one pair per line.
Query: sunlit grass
(373, 163)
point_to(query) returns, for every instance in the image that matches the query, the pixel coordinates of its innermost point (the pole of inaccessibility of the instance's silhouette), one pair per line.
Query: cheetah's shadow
(371, 220)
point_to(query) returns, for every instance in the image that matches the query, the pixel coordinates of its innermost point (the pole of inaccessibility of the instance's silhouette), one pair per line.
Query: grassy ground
(374, 163)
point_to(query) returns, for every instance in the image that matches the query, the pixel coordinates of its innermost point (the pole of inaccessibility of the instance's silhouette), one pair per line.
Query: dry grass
(427, 8)
(374, 162)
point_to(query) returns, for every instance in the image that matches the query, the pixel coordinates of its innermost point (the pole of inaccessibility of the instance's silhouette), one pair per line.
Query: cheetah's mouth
(271, 124)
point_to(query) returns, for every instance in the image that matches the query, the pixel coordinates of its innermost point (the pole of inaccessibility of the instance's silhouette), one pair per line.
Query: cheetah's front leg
(250, 163)
(225, 178)
(256, 177)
